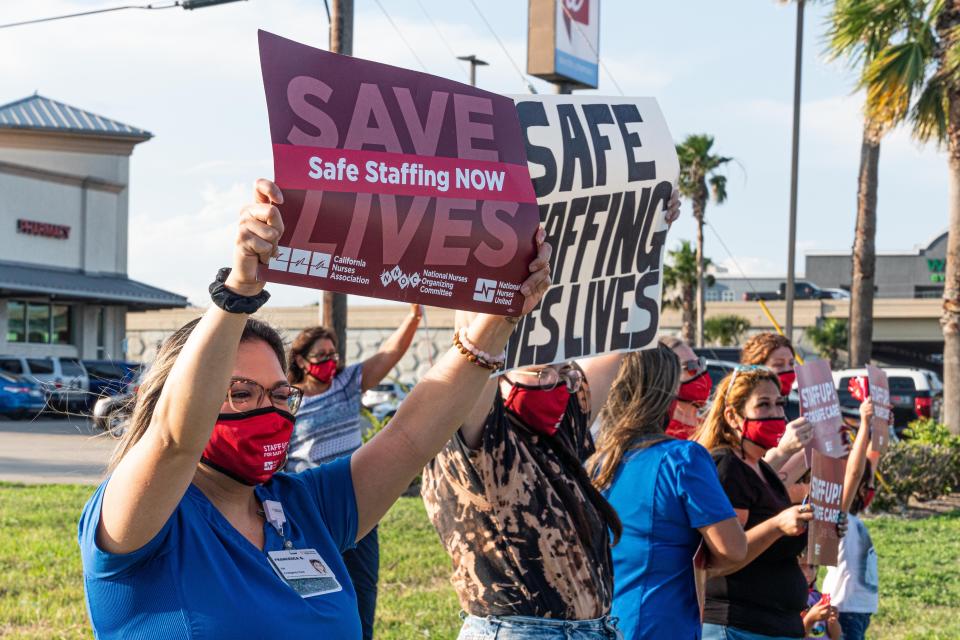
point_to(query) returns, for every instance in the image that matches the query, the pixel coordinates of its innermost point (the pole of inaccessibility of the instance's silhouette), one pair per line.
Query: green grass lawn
(41, 593)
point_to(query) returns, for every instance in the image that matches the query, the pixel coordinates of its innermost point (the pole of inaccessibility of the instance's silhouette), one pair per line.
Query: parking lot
(52, 450)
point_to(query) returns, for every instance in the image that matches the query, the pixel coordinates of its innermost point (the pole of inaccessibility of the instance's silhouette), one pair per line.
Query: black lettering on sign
(548, 352)
(636, 171)
(630, 223)
(649, 251)
(642, 338)
(553, 226)
(621, 312)
(607, 234)
(606, 289)
(578, 207)
(589, 232)
(575, 149)
(595, 115)
(572, 345)
(534, 114)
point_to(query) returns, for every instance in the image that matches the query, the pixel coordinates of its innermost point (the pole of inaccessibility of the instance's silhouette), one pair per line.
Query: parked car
(718, 369)
(801, 291)
(725, 354)
(837, 294)
(110, 377)
(63, 380)
(111, 413)
(387, 391)
(914, 393)
(19, 397)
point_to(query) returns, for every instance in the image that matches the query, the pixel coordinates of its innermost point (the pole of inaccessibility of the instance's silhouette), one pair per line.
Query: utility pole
(341, 41)
(795, 157)
(474, 63)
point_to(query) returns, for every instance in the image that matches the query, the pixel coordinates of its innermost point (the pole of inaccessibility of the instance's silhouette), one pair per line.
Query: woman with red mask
(694, 391)
(775, 352)
(763, 595)
(194, 534)
(328, 426)
(528, 533)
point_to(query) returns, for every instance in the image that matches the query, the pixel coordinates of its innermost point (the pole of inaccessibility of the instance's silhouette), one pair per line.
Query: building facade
(64, 176)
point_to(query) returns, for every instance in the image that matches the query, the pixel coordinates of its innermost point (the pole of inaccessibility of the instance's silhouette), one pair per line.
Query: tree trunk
(863, 275)
(698, 210)
(687, 305)
(950, 319)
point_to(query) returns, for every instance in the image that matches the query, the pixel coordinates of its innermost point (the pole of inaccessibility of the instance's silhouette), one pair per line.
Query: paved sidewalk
(60, 450)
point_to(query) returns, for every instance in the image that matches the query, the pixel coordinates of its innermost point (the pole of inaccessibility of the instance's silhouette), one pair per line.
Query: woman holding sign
(193, 534)
(668, 497)
(328, 426)
(763, 595)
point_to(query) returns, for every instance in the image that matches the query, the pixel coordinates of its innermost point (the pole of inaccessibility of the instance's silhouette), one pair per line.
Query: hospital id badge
(305, 571)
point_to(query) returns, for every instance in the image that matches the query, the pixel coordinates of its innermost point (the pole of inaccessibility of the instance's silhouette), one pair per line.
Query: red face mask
(251, 446)
(765, 432)
(868, 497)
(683, 420)
(787, 378)
(323, 371)
(696, 390)
(538, 409)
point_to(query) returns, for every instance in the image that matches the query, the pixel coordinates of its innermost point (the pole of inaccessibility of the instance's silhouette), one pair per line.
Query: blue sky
(193, 79)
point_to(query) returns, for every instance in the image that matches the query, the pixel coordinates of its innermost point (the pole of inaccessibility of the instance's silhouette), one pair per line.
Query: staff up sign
(882, 416)
(397, 184)
(821, 406)
(826, 493)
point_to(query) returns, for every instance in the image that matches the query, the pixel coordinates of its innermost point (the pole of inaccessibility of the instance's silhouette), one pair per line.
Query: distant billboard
(563, 41)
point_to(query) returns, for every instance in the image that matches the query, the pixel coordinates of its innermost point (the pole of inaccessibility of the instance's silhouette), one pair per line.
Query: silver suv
(64, 380)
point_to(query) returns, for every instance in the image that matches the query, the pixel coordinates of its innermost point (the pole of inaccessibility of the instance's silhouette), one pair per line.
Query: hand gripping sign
(826, 492)
(396, 184)
(603, 170)
(821, 406)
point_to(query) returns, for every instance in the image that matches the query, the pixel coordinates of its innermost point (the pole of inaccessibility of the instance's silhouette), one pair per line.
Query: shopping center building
(64, 180)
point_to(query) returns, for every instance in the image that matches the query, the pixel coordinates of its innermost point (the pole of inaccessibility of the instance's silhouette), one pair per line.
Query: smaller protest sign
(826, 493)
(882, 416)
(820, 405)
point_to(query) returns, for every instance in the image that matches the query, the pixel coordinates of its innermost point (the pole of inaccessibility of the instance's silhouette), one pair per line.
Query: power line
(523, 77)
(441, 36)
(186, 4)
(400, 33)
(730, 255)
(592, 48)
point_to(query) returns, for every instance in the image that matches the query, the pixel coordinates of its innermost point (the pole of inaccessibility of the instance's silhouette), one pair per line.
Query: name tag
(305, 571)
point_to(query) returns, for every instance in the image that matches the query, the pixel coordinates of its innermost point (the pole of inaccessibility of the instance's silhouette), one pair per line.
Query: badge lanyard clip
(273, 511)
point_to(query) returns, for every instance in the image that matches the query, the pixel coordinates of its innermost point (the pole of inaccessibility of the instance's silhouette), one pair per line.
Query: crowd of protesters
(553, 532)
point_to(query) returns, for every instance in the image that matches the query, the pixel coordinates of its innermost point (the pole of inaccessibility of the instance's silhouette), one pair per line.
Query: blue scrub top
(200, 579)
(663, 494)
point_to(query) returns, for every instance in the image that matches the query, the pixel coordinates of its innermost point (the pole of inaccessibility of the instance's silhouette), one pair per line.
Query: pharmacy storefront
(64, 175)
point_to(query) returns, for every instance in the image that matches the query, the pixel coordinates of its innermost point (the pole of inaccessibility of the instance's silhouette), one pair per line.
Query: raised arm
(376, 367)
(148, 483)
(799, 432)
(858, 455)
(383, 468)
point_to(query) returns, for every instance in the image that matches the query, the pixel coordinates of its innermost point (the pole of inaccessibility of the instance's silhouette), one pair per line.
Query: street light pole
(795, 157)
(341, 41)
(474, 63)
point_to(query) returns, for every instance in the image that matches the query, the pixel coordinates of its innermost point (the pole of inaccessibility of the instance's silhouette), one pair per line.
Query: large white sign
(603, 170)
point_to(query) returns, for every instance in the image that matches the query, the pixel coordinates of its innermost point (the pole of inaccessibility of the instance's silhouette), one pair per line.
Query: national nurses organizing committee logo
(484, 290)
(402, 279)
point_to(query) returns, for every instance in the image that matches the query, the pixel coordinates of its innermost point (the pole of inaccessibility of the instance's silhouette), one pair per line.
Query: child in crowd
(853, 583)
(820, 618)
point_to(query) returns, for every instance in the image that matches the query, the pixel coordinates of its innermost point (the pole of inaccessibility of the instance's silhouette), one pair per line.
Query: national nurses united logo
(484, 290)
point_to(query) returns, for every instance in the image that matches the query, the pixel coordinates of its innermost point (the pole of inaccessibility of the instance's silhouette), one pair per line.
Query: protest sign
(820, 405)
(603, 170)
(396, 184)
(882, 416)
(826, 492)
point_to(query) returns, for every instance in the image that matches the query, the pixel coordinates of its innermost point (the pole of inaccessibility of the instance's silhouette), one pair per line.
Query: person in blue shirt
(193, 534)
(668, 497)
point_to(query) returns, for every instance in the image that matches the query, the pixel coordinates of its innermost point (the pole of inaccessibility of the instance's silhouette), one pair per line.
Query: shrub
(924, 466)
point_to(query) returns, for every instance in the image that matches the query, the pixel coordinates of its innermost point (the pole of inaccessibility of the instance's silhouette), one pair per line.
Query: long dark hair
(301, 347)
(144, 401)
(635, 410)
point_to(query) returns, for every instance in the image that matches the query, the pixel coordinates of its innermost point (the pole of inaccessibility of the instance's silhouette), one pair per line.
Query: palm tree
(859, 30)
(915, 76)
(725, 330)
(828, 337)
(680, 284)
(700, 178)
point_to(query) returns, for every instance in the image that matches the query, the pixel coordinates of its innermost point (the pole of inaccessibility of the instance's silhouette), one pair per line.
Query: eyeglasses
(736, 371)
(695, 366)
(548, 378)
(319, 358)
(246, 395)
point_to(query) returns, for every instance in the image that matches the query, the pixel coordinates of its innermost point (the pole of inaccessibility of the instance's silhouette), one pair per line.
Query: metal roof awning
(76, 286)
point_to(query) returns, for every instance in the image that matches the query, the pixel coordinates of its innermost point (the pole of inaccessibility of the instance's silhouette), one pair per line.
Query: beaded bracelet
(475, 355)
